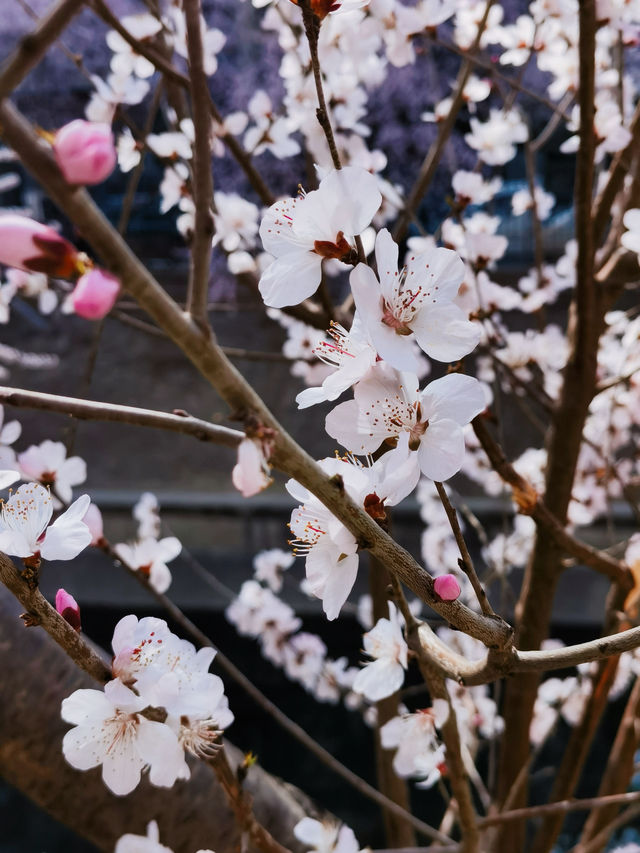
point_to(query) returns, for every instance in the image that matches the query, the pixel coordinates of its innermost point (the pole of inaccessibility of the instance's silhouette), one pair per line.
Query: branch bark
(204, 227)
(90, 410)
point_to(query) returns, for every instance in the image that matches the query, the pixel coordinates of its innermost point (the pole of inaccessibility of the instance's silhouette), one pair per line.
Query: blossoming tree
(372, 305)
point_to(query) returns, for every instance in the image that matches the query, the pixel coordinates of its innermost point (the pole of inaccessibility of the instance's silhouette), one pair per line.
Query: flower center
(340, 249)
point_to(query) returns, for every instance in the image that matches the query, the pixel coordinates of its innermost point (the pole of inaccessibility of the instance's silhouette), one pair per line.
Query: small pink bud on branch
(67, 607)
(85, 152)
(95, 294)
(447, 587)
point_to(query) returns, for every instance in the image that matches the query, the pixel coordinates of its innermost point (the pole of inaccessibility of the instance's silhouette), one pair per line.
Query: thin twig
(563, 806)
(204, 226)
(240, 802)
(312, 31)
(155, 57)
(432, 160)
(465, 563)
(96, 411)
(32, 48)
(531, 504)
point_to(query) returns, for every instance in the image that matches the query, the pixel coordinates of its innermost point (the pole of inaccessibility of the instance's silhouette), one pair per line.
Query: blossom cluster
(118, 728)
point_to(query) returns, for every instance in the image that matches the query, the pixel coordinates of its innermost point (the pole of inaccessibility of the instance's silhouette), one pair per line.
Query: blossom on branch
(149, 843)
(417, 302)
(301, 233)
(418, 750)
(25, 531)
(48, 463)
(150, 557)
(387, 645)
(110, 731)
(388, 404)
(325, 836)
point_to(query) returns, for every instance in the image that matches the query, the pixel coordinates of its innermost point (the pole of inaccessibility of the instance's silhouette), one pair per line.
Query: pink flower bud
(67, 607)
(85, 152)
(93, 520)
(95, 294)
(447, 587)
(29, 245)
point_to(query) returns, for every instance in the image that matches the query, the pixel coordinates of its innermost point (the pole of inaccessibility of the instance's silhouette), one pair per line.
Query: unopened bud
(85, 152)
(34, 247)
(95, 294)
(447, 587)
(67, 607)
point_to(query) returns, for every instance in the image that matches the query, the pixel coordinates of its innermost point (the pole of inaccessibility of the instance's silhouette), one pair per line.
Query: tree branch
(531, 504)
(40, 612)
(232, 387)
(445, 127)
(89, 410)
(155, 57)
(33, 46)
(204, 228)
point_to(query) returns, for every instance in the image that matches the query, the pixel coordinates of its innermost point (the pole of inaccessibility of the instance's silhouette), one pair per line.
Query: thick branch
(89, 410)
(500, 664)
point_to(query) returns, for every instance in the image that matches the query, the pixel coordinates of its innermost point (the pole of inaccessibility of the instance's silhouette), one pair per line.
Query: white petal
(438, 268)
(441, 450)
(81, 749)
(7, 478)
(84, 706)
(291, 279)
(367, 295)
(68, 535)
(121, 769)
(338, 585)
(355, 196)
(10, 432)
(379, 679)
(342, 424)
(311, 397)
(444, 333)
(159, 747)
(456, 397)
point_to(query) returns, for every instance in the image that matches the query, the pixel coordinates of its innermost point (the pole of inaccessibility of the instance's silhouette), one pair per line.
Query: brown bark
(536, 600)
(619, 768)
(397, 831)
(36, 676)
